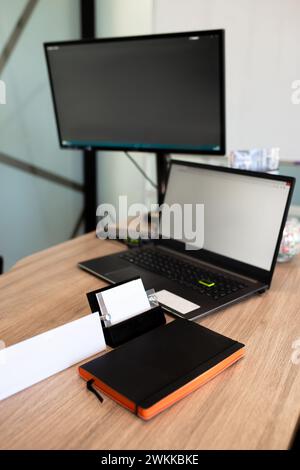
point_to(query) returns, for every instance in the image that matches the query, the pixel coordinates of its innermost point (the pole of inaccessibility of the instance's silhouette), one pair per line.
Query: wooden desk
(253, 405)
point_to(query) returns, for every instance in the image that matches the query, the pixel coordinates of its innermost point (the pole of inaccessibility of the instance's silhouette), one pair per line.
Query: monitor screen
(242, 214)
(148, 93)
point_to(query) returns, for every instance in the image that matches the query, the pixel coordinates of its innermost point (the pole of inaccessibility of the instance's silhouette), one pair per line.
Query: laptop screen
(242, 214)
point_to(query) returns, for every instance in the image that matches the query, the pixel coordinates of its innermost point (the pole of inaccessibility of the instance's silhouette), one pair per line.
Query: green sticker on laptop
(207, 284)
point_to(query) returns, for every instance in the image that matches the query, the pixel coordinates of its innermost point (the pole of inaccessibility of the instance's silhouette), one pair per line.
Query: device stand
(163, 161)
(90, 190)
(133, 327)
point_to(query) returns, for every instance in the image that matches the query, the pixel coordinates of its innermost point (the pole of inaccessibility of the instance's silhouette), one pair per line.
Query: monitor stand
(163, 161)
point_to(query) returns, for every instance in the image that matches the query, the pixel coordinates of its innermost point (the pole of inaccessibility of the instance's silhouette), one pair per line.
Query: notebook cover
(149, 368)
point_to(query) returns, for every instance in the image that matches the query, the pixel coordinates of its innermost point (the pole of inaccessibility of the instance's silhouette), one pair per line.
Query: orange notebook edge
(190, 387)
(172, 398)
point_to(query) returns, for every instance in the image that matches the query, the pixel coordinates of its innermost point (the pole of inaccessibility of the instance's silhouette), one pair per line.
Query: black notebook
(152, 372)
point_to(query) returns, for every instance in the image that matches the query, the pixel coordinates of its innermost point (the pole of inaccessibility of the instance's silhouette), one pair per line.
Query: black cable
(141, 170)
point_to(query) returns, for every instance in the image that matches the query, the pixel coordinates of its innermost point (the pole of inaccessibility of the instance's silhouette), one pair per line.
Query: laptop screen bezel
(238, 267)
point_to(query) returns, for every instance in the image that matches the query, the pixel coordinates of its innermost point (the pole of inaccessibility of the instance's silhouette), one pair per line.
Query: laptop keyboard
(214, 285)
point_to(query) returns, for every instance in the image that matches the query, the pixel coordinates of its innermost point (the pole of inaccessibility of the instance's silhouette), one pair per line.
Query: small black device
(244, 217)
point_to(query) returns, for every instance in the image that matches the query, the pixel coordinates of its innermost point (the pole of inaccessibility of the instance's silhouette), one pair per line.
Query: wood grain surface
(253, 405)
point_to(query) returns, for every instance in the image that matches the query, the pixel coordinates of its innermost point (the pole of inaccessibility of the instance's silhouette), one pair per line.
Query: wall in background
(116, 174)
(263, 59)
(34, 213)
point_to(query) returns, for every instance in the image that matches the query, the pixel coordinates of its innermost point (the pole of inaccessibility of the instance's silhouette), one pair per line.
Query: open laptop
(244, 217)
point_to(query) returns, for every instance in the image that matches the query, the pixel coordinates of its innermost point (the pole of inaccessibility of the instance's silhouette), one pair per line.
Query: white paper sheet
(174, 302)
(37, 358)
(125, 301)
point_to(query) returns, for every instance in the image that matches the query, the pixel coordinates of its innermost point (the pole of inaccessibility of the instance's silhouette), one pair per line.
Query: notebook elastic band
(89, 386)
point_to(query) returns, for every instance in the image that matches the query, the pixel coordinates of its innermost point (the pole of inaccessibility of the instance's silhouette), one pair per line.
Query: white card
(174, 302)
(37, 358)
(124, 301)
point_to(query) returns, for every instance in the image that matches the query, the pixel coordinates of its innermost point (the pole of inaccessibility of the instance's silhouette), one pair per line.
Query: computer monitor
(160, 93)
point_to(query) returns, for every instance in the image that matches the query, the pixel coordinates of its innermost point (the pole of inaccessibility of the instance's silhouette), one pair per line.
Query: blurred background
(42, 187)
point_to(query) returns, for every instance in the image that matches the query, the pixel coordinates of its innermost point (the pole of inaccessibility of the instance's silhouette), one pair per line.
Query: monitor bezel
(138, 147)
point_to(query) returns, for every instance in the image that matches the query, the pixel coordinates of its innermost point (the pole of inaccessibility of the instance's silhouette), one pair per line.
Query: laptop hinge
(199, 262)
